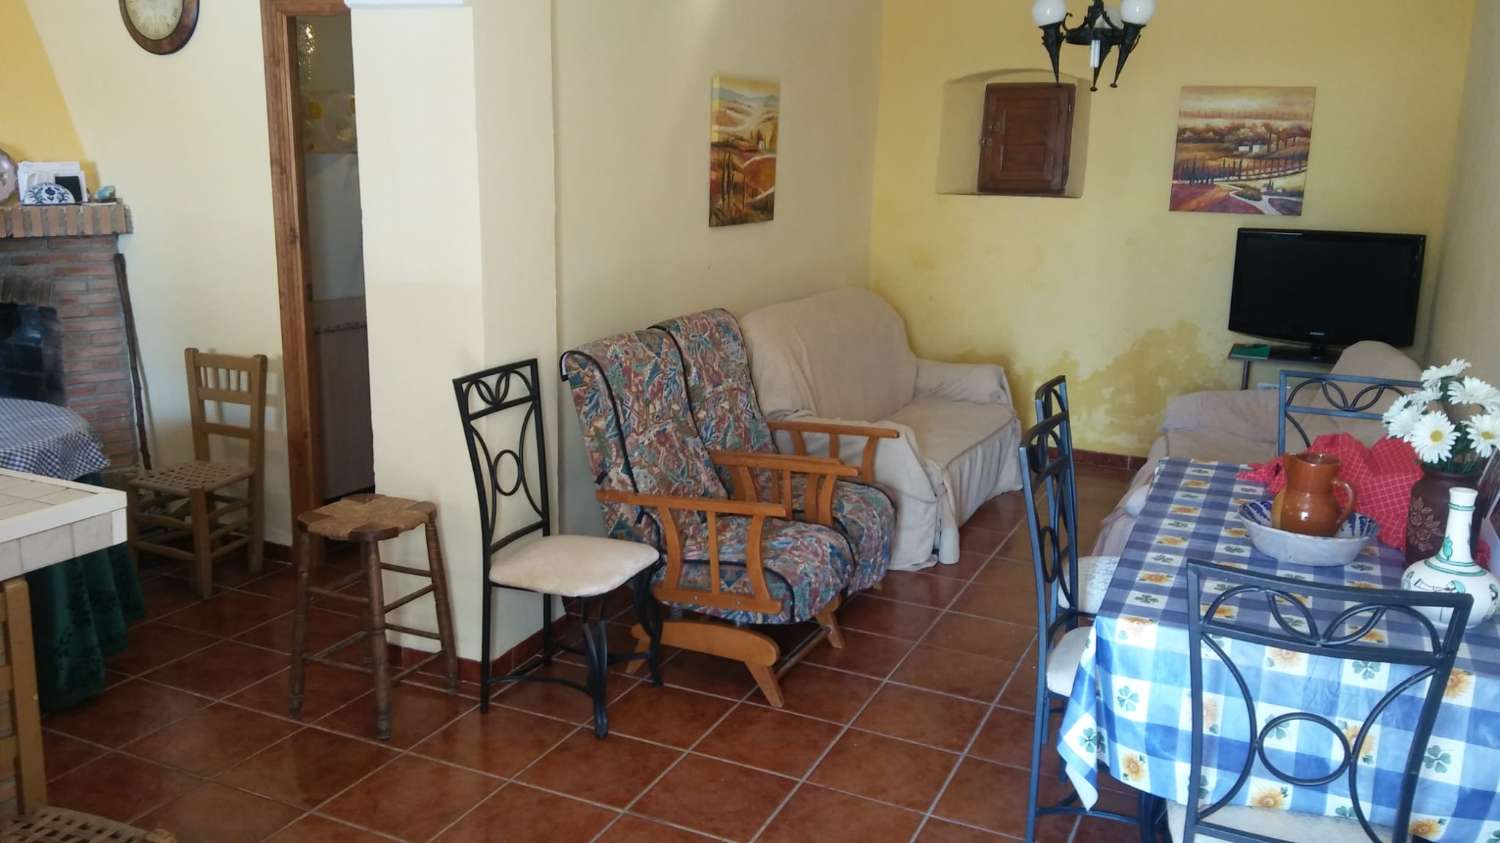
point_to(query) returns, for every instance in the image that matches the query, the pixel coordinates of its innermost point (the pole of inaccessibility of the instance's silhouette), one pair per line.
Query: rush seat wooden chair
(739, 562)
(191, 500)
(721, 395)
(26, 816)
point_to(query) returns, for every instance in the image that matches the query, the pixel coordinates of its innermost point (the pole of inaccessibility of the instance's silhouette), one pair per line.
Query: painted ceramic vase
(1424, 518)
(1453, 569)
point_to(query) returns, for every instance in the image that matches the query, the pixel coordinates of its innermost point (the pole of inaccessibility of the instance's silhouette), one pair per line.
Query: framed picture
(1242, 150)
(33, 178)
(745, 119)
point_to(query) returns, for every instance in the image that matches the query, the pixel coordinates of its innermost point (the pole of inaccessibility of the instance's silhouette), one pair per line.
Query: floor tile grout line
(844, 729)
(675, 762)
(745, 699)
(964, 755)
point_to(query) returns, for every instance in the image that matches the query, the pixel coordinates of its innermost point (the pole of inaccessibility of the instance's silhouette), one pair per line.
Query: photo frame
(65, 174)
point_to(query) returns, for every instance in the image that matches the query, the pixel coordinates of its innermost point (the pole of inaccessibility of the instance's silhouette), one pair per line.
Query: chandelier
(1102, 30)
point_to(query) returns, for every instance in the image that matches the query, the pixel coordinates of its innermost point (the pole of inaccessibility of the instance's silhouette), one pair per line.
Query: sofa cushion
(806, 566)
(841, 354)
(968, 450)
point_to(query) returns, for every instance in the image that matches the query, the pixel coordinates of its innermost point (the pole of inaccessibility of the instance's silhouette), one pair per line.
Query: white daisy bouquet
(1453, 423)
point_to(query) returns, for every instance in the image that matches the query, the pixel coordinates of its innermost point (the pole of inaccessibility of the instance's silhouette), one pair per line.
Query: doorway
(314, 148)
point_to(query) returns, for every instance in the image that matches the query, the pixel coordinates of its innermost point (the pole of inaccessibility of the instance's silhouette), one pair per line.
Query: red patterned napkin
(1382, 477)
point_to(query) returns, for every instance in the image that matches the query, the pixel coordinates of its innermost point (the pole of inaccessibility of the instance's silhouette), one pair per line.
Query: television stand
(1251, 353)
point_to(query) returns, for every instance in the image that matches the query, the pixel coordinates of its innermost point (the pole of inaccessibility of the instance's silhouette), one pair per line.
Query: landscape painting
(1242, 150)
(746, 117)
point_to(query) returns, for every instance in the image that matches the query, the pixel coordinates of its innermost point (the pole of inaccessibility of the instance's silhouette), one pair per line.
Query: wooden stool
(369, 520)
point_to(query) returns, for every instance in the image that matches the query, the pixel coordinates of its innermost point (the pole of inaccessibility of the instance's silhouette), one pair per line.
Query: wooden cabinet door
(1025, 138)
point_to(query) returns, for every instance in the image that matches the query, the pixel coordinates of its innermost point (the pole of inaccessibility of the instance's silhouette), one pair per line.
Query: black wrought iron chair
(1332, 396)
(1051, 516)
(1093, 573)
(1298, 629)
(584, 568)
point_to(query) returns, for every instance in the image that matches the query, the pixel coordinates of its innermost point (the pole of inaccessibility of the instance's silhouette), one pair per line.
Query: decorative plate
(48, 194)
(1316, 551)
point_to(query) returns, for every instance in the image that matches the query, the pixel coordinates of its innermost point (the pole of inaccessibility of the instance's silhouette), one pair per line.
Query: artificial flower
(1472, 391)
(1435, 374)
(1401, 418)
(1433, 436)
(1484, 432)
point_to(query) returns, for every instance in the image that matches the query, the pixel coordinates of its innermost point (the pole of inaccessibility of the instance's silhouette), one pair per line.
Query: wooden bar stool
(369, 520)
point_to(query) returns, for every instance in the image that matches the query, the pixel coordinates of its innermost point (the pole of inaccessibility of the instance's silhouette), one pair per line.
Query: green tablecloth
(79, 612)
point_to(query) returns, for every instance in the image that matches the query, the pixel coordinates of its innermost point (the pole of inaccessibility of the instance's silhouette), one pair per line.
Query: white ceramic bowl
(1316, 551)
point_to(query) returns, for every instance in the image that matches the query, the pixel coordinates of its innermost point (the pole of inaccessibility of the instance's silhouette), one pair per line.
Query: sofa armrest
(974, 383)
(1244, 413)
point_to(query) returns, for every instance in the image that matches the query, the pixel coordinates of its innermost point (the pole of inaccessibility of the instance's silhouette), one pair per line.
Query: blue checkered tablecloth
(41, 438)
(1129, 708)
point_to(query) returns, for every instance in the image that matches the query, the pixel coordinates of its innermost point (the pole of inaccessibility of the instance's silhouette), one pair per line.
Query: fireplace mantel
(91, 219)
(61, 259)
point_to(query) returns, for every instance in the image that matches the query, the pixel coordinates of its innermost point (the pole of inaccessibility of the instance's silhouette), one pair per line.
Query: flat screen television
(1326, 288)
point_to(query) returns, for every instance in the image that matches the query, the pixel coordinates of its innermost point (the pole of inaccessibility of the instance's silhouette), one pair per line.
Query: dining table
(1130, 710)
(81, 608)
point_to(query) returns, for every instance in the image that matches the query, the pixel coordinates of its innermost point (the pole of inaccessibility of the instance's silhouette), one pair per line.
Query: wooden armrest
(822, 474)
(783, 462)
(834, 430)
(671, 590)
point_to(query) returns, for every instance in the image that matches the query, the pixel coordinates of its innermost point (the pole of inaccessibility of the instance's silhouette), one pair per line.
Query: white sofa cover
(1240, 426)
(843, 356)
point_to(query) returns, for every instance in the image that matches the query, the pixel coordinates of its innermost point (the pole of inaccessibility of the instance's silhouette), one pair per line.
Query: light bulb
(1137, 11)
(1112, 11)
(1048, 12)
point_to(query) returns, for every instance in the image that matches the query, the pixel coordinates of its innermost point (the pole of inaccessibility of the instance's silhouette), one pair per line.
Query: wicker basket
(59, 825)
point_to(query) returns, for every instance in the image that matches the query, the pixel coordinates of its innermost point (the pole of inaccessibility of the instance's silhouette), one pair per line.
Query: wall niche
(962, 126)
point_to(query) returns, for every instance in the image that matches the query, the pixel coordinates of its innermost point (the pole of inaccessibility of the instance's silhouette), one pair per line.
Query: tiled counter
(44, 521)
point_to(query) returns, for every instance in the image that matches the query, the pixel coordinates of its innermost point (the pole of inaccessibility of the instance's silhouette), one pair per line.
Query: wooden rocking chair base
(760, 653)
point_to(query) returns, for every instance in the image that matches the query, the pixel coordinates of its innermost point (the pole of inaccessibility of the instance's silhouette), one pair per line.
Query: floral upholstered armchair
(735, 560)
(728, 418)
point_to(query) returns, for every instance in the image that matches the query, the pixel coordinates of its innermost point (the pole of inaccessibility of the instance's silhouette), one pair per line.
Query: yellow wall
(1128, 300)
(183, 137)
(34, 120)
(634, 245)
(1468, 301)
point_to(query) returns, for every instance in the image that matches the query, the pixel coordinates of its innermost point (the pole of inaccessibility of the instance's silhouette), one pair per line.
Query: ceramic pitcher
(1307, 505)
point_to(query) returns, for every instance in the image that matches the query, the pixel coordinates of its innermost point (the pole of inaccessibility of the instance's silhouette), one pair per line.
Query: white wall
(183, 137)
(634, 245)
(1468, 295)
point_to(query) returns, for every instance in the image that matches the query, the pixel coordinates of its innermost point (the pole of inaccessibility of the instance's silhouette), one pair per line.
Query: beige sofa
(843, 356)
(1240, 426)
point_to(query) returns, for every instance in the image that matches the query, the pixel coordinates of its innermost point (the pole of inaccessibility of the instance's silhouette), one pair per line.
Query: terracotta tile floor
(917, 730)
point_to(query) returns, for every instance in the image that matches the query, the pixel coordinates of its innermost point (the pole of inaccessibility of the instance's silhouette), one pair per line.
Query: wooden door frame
(289, 205)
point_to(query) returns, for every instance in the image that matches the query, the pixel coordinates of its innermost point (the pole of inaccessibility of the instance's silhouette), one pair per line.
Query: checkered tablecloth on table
(1130, 708)
(41, 438)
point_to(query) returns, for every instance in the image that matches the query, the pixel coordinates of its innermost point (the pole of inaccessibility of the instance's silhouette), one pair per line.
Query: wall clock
(160, 26)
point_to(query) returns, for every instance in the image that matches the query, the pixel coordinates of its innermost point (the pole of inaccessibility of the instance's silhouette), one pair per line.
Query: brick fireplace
(62, 326)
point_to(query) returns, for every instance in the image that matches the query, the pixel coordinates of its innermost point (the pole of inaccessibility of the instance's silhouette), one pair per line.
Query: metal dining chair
(584, 568)
(1214, 626)
(1332, 396)
(1093, 573)
(1046, 487)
